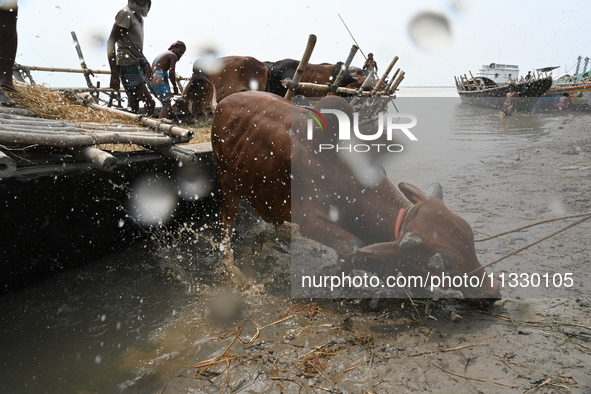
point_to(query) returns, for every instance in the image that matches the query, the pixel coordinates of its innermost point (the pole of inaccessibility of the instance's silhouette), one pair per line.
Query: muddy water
(133, 321)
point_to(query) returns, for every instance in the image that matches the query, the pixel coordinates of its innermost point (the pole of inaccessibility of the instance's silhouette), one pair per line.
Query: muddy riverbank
(536, 339)
(159, 318)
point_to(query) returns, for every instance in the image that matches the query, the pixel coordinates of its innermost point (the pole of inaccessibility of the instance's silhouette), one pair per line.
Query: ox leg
(229, 212)
(334, 236)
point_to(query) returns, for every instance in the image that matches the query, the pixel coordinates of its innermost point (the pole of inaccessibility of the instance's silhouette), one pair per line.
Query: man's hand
(149, 72)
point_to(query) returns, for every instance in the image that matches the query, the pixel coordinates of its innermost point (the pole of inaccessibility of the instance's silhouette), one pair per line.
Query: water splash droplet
(430, 31)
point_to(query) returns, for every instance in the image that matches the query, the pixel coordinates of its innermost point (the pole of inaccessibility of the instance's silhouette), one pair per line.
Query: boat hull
(580, 95)
(494, 97)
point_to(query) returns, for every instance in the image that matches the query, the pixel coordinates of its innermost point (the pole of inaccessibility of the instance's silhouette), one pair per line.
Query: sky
(435, 40)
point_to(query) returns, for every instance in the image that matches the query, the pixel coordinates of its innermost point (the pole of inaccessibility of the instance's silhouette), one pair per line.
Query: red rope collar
(400, 219)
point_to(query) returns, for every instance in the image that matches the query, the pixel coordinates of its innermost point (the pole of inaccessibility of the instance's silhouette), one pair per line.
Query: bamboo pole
(396, 82)
(15, 111)
(368, 80)
(389, 87)
(158, 125)
(345, 67)
(325, 88)
(60, 70)
(98, 158)
(297, 77)
(178, 153)
(41, 129)
(66, 139)
(390, 67)
(33, 122)
(7, 165)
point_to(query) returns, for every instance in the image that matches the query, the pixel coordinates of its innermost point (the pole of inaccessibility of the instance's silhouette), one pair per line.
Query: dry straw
(52, 104)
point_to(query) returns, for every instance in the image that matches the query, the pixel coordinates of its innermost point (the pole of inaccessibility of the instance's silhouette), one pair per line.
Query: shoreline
(400, 345)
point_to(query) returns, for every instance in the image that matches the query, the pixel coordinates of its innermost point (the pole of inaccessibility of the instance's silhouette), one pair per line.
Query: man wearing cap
(128, 62)
(164, 70)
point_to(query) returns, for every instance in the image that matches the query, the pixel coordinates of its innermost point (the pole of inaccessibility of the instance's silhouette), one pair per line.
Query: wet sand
(533, 340)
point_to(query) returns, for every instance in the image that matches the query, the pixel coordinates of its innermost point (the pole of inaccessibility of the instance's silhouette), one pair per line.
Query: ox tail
(214, 101)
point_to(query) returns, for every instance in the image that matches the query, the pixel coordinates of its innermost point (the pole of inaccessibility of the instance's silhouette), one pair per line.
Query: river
(132, 321)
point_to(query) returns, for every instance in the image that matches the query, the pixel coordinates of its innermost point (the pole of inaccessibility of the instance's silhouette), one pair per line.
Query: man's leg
(144, 95)
(132, 99)
(8, 46)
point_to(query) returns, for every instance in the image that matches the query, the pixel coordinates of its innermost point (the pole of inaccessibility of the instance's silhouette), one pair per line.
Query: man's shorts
(162, 93)
(131, 77)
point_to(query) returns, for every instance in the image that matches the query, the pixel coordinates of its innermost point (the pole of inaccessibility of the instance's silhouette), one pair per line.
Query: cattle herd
(210, 83)
(264, 154)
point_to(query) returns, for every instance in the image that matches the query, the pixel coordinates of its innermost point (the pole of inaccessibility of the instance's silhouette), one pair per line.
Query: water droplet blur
(460, 5)
(333, 214)
(253, 84)
(225, 308)
(8, 4)
(208, 61)
(195, 183)
(556, 206)
(364, 169)
(430, 31)
(98, 359)
(152, 201)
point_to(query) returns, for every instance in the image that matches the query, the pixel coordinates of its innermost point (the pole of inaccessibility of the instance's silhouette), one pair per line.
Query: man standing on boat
(370, 64)
(8, 46)
(128, 61)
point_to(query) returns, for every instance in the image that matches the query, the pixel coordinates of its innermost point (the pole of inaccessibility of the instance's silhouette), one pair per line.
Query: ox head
(199, 98)
(435, 240)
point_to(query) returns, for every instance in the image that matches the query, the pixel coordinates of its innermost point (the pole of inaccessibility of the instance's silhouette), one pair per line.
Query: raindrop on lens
(430, 31)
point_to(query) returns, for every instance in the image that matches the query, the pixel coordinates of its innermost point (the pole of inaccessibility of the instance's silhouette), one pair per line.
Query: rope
(588, 216)
(534, 224)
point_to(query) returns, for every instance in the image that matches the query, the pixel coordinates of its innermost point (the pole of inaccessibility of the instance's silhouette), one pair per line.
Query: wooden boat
(484, 92)
(578, 88)
(68, 194)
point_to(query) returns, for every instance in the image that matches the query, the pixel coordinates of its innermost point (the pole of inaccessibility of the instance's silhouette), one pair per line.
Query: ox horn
(436, 263)
(437, 192)
(410, 240)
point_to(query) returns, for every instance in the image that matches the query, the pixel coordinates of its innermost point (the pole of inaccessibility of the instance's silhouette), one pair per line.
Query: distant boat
(484, 92)
(578, 88)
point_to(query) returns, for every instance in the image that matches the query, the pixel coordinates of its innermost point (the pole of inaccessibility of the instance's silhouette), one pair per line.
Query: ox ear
(379, 251)
(415, 195)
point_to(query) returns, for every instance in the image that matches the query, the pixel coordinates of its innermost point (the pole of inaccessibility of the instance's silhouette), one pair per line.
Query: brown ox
(254, 137)
(365, 79)
(205, 89)
(315, 73)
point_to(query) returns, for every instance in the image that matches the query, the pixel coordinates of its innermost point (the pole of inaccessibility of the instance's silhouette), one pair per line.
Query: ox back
(263, 154)
(315, 73)
(210, 85)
